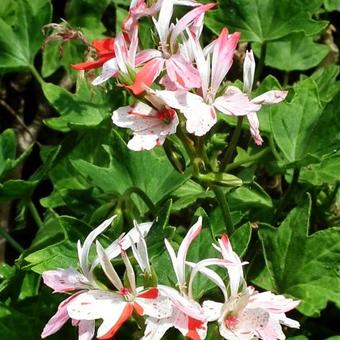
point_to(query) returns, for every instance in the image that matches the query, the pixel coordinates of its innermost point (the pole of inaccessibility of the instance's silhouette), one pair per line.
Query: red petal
(90, 65)
(139, 309)
(149, 294)
(146, 76)
(104, 45)
(127, 312)
(193, 324)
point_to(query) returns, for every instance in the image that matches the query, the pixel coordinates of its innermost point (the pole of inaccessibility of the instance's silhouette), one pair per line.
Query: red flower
(105, 51)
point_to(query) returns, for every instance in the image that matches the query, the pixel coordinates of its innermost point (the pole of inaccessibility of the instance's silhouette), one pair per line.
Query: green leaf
(263, 20)
(326, 172)
(62, 254)
(16, 188)
(85, 109)
(21, 40)
(90, 19)
(303, 266)
(302, 128)
(293, 52)
(325, 78)
(132, 169)
(8, 149)
(332, 5)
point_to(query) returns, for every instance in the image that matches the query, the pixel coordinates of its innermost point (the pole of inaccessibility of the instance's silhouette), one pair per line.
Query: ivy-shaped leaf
(21, 39)
(301, 265)
(264, 20)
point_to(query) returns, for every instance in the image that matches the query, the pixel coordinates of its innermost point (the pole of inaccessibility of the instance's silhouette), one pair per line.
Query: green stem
(143, 196)
(260, 64)
(285, 79)
(232, 146)
(251, 158)
(11, 240)
(37, 75)
(223, 203)
(34, 212)
(190, 149)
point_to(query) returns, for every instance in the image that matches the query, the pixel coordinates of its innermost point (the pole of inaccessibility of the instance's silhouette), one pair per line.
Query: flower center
(231, 321)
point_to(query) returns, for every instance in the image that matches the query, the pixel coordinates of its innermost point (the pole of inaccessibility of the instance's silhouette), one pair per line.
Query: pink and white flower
(267, 98)
(187, 315)
(151, 123)
(246, 314)
(70, 280)
(179, 70)
(114, 308)
(200, 110)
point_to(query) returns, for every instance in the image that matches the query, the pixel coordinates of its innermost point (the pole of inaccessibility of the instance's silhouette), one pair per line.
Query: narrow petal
(187, 19)
(235, 103)
(270, 97)
(146, 55)
(222, 57)
(146, 76)
(108, 269)
(86, 329)
(114, 249)
(182, 73)
(254, 125)
(173, 258)
(65, 280)
(110, 69)
(184, 247)
(129, 271)
(90, 65)
(83, 251)
(248, 71)
(58, 319)
(164, 18)
(210, 274)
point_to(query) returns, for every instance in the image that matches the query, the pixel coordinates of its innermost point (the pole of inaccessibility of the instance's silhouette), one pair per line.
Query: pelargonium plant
(200, 138)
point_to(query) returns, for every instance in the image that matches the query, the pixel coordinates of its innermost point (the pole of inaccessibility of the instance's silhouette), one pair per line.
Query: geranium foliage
(169, 168)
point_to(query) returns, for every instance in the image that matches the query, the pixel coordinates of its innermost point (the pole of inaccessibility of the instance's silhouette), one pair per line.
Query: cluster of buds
(178, 79)
(244, 314)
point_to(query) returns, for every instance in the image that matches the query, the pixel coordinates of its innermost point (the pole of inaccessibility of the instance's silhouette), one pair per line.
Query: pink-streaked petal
(156, 328)
(248, 71)
(107, 267)
(253, 319)
(270, 97)
(86, 329)
(235, 271)
(146, 76)
(200, 116)
(222, 57)
(182, 73)
(58, 319)
(188, 19)
(235, 103)
(185, 305)
(159, 307)
(131, 55)
(254, 125)
(121, 52)
(212, 310)
(146, 55)
(65, 280)
(83, 251)
(96, 304)
(109, 70)
(272, 302)
(190, 3)
(272, 331)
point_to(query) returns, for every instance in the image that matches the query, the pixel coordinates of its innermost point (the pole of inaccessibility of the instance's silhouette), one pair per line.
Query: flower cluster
(178, 79)
(244, 314)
